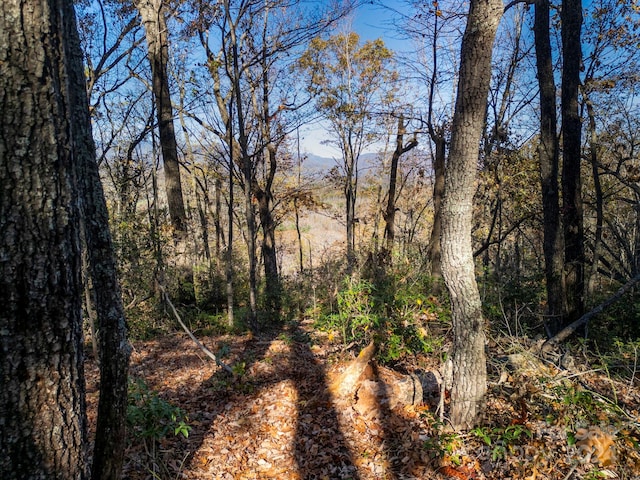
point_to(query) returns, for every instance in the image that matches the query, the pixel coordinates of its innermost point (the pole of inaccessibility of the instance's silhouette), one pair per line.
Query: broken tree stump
(371, 388)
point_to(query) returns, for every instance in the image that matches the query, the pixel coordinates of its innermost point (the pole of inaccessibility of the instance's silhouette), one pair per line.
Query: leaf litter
(277, 419)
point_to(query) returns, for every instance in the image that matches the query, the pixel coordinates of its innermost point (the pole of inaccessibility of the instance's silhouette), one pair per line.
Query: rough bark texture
(264, 193)
(469, 362)
(108, 454)
(574, 258)
(155, 26)
(42, 409)
(272, 280)
(113, 348)
(548, 152)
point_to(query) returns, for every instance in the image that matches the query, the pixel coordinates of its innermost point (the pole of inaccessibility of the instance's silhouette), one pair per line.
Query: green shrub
(395, 310)
(355, 319)
(151, 417)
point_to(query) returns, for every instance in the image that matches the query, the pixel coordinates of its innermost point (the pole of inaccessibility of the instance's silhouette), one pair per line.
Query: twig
(573, 469)
(206, 351)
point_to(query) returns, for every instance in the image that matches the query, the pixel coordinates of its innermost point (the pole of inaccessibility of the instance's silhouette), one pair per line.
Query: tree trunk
(597, 190)
(264, 194)
(42, 398)
(468, 356)
(155, 26)
(220, 241)
(229, 273)
(574, 259)
(246, 162)
(350, 188)
(114, 350)
(269, 257)
(390, 213)
(435, 252)
(549, 169)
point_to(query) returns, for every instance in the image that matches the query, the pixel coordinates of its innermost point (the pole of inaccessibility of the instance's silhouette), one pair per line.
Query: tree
(350, 82)
(548, 154)
(155, 25)
(572, 211)
(468, 356)
(434, 30)
(390, 210)
(610, 68)
(247, 43)
(49, 182)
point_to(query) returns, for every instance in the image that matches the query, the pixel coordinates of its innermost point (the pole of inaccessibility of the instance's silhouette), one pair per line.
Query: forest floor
(276, 418)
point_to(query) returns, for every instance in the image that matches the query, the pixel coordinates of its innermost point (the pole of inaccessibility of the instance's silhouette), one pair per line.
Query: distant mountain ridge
(316, 164)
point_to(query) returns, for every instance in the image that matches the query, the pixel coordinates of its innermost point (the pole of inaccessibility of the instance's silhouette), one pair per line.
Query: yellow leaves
(436, 9)
(596, 443)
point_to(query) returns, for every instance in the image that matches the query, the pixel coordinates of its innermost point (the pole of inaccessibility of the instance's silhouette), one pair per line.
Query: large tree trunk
(155, 26)
(549, 169)
(42, 406)
(265, 194)
(469, 363)
(574, 259)
(113, 348)
(269, 257)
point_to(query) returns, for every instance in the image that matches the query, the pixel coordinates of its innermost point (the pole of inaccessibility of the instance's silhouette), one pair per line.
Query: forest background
(205, 115)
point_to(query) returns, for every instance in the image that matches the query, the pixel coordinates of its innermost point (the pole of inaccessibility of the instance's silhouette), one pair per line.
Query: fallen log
(204, 349)
(570, 329)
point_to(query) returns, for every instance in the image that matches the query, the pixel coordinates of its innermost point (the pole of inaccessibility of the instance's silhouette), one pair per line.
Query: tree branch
(206, 351)
(569, 330)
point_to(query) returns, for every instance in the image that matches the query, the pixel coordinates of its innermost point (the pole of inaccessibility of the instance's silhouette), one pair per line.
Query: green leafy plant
(441, 443)
(502, 439)
(355, 319)
(152, 417)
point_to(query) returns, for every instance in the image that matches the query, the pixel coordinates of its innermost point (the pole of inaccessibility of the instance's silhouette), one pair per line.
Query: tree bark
(269, 257)
(435, 252)
(350, 196)
(114, 349)
(599, 198)
(264, 193)
(42, 399)
(548, 152)
(437, 135)
(468, 356)
(155, 26)
(574, 258)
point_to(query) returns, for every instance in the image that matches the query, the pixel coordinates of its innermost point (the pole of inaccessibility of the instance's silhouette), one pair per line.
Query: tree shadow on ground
(202, 401)
(402, 445)
(277, 420)
(227, 388)
(321, 450)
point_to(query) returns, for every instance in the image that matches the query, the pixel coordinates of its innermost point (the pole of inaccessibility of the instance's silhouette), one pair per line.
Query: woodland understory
(275, 417)
(270, 409)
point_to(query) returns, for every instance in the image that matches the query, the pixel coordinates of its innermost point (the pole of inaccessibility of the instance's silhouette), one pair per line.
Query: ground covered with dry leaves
(276, 419)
